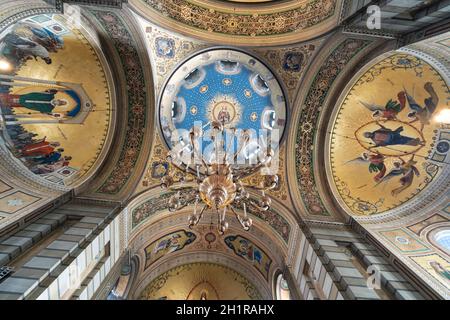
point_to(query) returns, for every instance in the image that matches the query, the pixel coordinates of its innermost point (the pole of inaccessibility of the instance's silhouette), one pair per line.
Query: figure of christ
(43, 102)
(387, 137)
(224, 116)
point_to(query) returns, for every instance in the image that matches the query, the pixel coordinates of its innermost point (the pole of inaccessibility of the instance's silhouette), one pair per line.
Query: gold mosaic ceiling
(200, 281)
(385, 135)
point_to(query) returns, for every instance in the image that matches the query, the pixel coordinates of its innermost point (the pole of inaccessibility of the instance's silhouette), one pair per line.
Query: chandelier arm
(250, 170)
(176, 187)
(255, 205)
(240, 174)
(239, 218)
(229, 145)
(257, 188)
(197, 151)
(186, 169)
(247, 138)
(200, 215)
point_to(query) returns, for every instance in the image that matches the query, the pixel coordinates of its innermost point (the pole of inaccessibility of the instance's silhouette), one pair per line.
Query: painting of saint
(375, 162)
(39, 148)
(48, 93)
(169, 243)
(44, 102)
(423, 114)
(164, 47)
(436, 266)
(384, 134)
(224, 115)
(49, 168)
(440, 270)
(390, 111)
(387, 137)
(293, 61)
(28, 40)
(249, 251)
(407, 170)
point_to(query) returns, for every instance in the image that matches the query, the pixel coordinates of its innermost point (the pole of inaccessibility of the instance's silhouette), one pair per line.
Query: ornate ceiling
(199, 281)
(275, 23)
(360, 141)
(47, 97)
(228, 86)
(385, 147)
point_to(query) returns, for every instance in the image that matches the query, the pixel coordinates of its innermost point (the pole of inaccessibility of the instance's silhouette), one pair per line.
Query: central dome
(228, 86)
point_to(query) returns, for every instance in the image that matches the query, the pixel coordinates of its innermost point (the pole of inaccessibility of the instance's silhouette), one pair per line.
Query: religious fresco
(247, 250)
(200, 281)
(436, 266)
(54, 98)
(167, 244)
(384, 133)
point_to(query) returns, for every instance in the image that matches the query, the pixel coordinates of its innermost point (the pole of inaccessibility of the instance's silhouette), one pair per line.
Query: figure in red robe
(39, 149)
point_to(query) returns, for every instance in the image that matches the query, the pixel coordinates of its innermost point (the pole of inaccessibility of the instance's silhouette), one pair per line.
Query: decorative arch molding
(341, 56)
(164, 225)
(434, 231)
(125, 164)
(153, 205)
(206, 257)
(275, 24)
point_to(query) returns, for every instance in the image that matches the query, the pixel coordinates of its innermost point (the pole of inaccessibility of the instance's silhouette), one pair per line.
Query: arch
(30, 132)
(218, 285)
(323, 81)
(275, 23)
(439, 237)
(436, 172)
(281, 287)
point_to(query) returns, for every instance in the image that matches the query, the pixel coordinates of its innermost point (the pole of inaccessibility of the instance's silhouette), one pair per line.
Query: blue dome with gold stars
(229, 86)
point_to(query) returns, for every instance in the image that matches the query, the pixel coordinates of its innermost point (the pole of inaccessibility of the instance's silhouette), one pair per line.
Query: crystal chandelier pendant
(215, 183)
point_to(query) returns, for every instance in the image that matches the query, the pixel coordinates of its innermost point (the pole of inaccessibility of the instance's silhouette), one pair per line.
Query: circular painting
(226, 86)
(386, 146)
(54, 99)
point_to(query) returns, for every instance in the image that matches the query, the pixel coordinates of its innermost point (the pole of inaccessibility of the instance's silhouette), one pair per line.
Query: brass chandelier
(216, 183)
